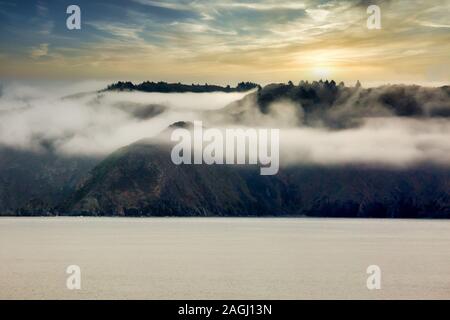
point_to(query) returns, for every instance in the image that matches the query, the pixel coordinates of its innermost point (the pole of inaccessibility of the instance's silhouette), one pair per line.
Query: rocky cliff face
(140, 180)
(35, 182)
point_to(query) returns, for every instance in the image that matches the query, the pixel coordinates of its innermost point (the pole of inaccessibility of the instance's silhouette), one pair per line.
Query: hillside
(141, 180)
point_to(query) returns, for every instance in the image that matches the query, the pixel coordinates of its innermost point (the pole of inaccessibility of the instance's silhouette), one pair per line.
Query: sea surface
(223, 258)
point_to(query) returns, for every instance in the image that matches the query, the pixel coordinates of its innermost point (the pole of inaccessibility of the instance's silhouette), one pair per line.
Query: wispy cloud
(265, 5)
(165, 4)
(42, 9)
(40, 51)
(118, 30)
(434, 25)
(200, 28)
(263, 41)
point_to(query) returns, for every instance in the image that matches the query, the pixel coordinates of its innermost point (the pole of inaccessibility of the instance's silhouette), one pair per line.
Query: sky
(227, 41)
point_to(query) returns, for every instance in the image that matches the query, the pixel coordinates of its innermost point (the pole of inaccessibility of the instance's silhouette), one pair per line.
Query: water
(223, 258)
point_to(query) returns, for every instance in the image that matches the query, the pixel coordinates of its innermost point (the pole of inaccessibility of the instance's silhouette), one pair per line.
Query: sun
(321, 72)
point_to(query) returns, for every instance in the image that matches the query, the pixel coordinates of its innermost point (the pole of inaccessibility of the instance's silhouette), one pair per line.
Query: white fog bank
(98, 123)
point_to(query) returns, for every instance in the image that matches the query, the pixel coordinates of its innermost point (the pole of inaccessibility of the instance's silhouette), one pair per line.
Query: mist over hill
(325, 104)
(344, 152)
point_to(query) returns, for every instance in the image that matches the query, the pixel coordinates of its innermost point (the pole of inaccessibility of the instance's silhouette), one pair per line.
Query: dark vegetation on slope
(324, 103)
(37, 181)
(140, 180)
(165, 87)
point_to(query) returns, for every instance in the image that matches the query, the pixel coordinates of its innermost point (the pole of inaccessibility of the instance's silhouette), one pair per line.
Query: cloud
(389, 126)
(42, 9)
(118, 30)
(318, 14)
(261, 41)
(46, 27)
(40, 51)
(97, 123)
(164, 4)
(395, 142)
(434, 25)
(265, 5)
(196, 5)
(200, 28)
(34, 118)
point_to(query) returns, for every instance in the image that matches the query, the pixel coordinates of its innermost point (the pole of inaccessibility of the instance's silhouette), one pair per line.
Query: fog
(94, 122)
(384, 141)
(97, 123)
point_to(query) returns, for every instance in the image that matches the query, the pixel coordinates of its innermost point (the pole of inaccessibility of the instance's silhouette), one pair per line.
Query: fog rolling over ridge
(350, 122)
(339, 139)
(94, 123)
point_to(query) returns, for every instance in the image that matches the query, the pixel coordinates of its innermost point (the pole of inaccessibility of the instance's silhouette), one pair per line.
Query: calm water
(223, 258)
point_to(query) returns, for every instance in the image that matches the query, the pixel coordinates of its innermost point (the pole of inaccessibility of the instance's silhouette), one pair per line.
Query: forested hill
(165, 87)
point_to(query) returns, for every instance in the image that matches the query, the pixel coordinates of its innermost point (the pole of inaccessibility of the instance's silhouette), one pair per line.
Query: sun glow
(321, 72)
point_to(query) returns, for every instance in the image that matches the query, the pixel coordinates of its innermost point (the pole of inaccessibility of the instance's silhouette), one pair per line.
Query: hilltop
(164, 87)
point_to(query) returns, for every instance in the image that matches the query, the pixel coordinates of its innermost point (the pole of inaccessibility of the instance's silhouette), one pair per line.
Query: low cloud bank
(94, 123)
(367, 130)
(396, 142)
